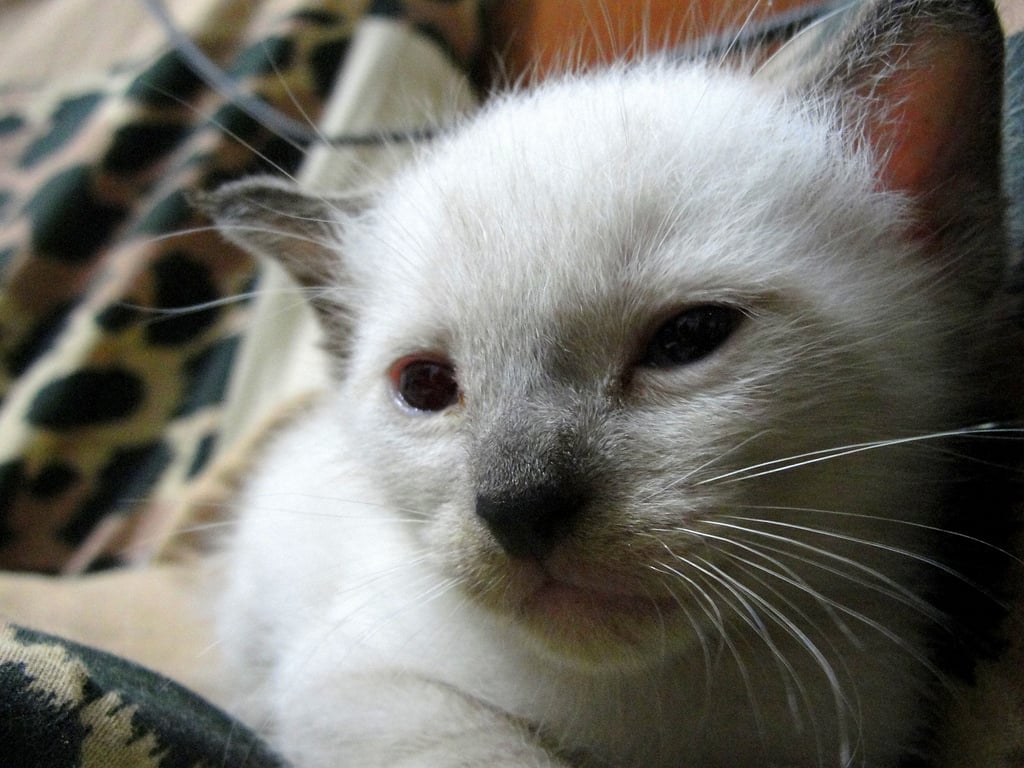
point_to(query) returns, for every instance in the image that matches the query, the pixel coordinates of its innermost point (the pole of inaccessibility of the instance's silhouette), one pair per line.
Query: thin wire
(266, 114)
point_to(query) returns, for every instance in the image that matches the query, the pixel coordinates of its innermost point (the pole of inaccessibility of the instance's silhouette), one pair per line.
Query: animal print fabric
(118, 326)
(64, 705)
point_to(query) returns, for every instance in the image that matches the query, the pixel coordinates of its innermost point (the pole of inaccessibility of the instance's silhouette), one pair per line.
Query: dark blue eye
(691, 335)
(425, 383)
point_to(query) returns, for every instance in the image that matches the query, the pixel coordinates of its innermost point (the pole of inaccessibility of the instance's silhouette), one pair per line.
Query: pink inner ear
(930, 115)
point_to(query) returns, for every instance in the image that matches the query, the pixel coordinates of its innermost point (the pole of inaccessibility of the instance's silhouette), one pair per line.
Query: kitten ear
(298, 230)
(921, 82)
(276, 220)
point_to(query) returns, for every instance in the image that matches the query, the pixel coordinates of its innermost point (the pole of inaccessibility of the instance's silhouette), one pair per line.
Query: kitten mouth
(567, 602)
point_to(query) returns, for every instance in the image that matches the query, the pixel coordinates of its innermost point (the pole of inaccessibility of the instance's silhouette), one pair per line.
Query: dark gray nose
(529, 521)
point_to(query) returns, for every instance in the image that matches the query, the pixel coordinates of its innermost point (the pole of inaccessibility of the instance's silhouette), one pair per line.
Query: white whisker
(717, 458)
(790, 627)
(829, 454)
(922, 559)
(893, 521)
(712, 608)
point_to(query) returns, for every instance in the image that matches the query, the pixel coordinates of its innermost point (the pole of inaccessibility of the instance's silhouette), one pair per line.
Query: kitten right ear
(299, 230)
(920, 82)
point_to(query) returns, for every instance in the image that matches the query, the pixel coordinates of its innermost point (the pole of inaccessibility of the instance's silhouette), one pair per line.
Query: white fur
(538, 249)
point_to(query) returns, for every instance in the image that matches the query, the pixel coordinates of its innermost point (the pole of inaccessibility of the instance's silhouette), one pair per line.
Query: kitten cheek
(461, 546)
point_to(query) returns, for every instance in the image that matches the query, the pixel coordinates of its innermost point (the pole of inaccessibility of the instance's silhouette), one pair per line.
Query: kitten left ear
(297, 229)
(921, 82)
(276, 220)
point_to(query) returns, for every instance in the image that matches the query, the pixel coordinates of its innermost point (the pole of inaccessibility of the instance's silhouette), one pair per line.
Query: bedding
(65, 704)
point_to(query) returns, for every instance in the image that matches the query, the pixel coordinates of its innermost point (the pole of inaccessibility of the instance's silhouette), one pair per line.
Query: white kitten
(632, 458)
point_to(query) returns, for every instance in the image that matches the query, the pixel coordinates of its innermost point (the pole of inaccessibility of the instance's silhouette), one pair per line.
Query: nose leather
(528, 522)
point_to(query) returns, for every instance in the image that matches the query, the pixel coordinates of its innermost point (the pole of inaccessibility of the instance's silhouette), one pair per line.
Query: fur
(732, 561)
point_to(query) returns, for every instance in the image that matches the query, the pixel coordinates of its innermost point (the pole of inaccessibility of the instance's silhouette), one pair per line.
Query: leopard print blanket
(65, 705)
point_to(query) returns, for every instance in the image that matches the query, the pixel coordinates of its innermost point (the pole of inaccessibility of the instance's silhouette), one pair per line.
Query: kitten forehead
(610, 189)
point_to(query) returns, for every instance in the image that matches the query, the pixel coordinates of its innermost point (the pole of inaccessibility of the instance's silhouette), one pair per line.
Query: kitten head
(619, 340)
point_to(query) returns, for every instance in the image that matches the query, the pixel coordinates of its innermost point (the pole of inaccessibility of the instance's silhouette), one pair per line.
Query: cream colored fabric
(149, 615)
(97, 36)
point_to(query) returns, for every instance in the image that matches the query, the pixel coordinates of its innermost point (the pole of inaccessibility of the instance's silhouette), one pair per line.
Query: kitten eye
(424, 384)
(691, 335)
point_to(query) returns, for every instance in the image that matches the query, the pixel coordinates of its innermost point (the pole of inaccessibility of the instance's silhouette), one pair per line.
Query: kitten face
(652, 371)
(574, 465)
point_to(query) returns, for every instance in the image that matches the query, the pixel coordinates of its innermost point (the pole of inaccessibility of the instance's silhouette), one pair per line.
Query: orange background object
(541, 36)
